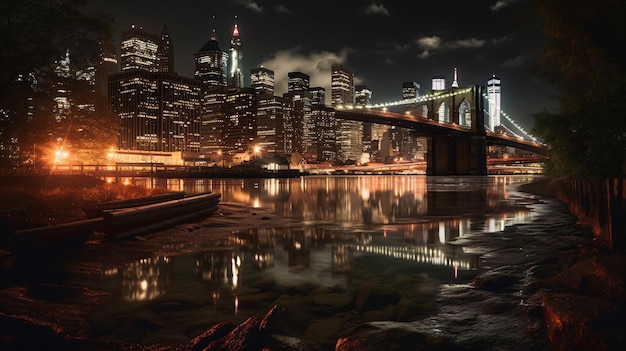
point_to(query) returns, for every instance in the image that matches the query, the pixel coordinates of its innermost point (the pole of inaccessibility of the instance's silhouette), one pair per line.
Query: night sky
(385, 42)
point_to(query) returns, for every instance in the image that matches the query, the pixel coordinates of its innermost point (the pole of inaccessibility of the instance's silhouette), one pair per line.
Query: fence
(599, 203)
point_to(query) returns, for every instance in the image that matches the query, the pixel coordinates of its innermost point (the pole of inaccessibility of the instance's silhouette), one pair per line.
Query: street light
(219, 152)
(257, 150)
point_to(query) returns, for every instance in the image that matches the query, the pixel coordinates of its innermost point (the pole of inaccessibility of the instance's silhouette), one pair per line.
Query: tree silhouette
(34, 34)
(585, 60)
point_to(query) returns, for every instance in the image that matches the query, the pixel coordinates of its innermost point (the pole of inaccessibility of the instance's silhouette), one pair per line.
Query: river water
(369, 248)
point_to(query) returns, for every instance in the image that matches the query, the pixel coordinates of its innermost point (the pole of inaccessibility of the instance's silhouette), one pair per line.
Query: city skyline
(385, 43)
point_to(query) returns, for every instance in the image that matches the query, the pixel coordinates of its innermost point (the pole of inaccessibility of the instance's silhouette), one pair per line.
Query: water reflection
(145, 279)
(396, 232)
(358, 199)
(316, 256)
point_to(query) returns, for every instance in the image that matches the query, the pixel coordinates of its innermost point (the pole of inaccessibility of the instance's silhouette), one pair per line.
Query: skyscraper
(270, 124)
(342, 85)
(297, 81)
(235, 68)
(349, 133)
(146, 51)
(438, 83)
(363, 97)
(165, 54)
(410, 90)
(262, 80)
(318, 95)
(493, 91)
(107, 65)
(211, 64)
(239, 109)
(158, 109)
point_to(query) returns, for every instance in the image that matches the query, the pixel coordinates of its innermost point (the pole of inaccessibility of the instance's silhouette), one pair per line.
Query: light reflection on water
(356, 199)
(362, 230)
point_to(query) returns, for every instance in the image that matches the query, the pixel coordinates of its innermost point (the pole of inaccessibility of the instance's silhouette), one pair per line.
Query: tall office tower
(349, 133)
(270, 124)
(239, 109)
(157, 111)
(212, 122)
(438, 83)
(107, 65)
(211, 64)
(299, 124)
(325, 132)
(455, 81)
(318, 95)
(410, 90)
(165, 54)
(262, 80)
(493, 92)
(378, 133)
(298, 120)
(62, 99)
(363, 97)
(342, 85)
(297, 81)
(235, 68)
(146, 51)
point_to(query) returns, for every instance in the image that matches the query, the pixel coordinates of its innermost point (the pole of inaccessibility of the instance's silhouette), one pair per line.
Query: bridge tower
(457, 153)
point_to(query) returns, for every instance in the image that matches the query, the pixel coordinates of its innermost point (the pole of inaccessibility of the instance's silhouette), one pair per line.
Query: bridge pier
(456, 155)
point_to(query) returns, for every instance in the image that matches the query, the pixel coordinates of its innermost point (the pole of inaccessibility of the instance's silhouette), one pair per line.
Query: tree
(587, 136)
(585, 60)
(34, 34)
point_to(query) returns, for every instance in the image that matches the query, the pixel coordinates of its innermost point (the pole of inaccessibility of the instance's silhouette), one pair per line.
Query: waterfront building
(235, 68)
(212, 122)
(299, 125)
(211, 64)
(493, 92)
(262, 80)
(158, 111)
(240, 128)
(271, 124)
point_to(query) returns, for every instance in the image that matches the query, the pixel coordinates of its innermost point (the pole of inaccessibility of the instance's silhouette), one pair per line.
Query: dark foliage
(585, 60)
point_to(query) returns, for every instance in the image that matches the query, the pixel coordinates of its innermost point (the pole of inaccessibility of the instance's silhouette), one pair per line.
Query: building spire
(455, 82)
(236, 29)
(213, 36)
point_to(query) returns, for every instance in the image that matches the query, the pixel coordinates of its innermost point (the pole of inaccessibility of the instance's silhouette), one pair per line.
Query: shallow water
(370, 248)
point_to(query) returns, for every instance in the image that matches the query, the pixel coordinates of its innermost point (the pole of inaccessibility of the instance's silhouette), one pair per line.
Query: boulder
(392, 336)
(494, 281)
